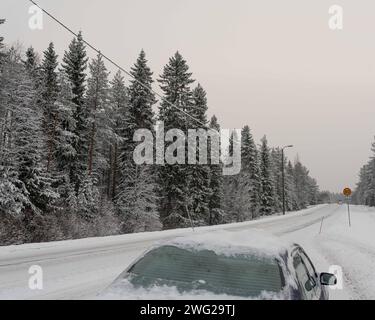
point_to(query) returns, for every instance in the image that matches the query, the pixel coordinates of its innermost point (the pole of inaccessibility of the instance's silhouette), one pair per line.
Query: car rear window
(238, 275)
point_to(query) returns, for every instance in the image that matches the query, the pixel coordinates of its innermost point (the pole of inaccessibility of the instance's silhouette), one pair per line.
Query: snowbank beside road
(353, 248)
(338, 246)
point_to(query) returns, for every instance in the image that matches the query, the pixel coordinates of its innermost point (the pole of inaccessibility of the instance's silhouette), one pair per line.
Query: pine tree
(267, 186)
(250, 168)
(74, 65)
(173, 179)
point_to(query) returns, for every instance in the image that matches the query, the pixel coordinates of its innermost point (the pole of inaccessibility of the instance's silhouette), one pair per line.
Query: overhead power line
(58, 21)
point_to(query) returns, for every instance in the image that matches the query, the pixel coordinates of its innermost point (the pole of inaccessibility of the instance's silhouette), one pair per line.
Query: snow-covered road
(78, 269)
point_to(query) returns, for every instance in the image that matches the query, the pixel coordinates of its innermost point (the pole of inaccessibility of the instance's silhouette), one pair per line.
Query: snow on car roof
(231, 243)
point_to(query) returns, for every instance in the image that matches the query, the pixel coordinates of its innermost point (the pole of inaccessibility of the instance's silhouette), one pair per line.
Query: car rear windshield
(187, 270)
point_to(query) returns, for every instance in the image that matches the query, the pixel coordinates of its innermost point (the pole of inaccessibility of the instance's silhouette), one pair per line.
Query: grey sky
(274, 65)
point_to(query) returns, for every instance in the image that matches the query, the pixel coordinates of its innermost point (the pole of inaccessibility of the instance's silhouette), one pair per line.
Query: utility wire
(119, 67)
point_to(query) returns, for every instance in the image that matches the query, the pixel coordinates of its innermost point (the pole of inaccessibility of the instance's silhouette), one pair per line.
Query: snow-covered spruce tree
(65, 139)
(2, 107)
(217, 214)
(93, 212)
(87, 213)
(370, 179)
(173, 179)
(13, 201)
(291, 197)
(276, 169)
(141, 99)
(86, 202)
(13, 194)
(32, 62)
(49, 92)
(100, 130)
(199, 174)
(2, 53)
(23, 150)
(236, 189)
(301, 182)
(313, 190)
(291, 200)
(74, 65)
(1, 38)
(370, 190)
(267, 185)
(364, 193)
(33, 68)
(65, 153)
(119, 102)
(250, 169)
(136, 199)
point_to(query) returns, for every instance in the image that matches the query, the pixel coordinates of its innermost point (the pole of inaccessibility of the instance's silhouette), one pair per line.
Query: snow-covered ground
(351, 248)
(79, 269)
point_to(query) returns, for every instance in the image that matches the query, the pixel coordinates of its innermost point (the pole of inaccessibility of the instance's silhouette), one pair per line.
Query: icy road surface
(79, 269)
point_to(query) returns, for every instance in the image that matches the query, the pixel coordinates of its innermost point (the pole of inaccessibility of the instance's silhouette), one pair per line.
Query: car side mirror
(328, 279)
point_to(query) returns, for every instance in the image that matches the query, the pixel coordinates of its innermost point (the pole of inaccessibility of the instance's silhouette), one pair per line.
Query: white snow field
(80, 269)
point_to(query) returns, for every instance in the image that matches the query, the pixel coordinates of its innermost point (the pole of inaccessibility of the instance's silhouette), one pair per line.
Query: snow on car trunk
(218, 265)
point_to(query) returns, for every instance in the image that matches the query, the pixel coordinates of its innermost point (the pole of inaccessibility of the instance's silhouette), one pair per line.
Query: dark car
(220, 265)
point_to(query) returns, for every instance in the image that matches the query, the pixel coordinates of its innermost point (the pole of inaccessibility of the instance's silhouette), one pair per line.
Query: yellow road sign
(347, 192)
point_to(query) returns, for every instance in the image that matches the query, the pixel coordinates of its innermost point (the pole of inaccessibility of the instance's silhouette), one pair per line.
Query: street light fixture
(283, 174)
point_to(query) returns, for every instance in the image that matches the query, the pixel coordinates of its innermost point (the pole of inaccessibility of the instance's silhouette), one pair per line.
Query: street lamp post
(283, 174)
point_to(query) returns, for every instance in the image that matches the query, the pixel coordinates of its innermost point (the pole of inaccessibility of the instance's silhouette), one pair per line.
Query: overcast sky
(274, 65)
